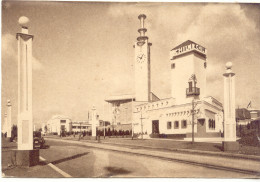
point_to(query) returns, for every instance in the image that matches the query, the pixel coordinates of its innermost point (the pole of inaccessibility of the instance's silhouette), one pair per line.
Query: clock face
(140, 58)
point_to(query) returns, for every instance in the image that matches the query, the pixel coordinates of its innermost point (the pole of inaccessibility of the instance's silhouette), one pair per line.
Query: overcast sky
(83, 52)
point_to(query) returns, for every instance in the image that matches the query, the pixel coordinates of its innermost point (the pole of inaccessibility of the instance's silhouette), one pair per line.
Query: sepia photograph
(95, 89)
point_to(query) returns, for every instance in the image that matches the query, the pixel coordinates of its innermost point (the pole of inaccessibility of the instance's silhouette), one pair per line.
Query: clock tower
(142, 64)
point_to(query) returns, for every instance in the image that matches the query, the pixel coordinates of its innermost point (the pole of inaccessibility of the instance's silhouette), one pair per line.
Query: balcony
(192, 91)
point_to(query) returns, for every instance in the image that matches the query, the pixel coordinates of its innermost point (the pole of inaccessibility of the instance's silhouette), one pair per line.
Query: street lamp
(132, 119)
(142, 124)
(192, 91)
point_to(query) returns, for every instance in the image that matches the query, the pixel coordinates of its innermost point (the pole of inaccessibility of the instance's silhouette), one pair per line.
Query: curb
(190, 151)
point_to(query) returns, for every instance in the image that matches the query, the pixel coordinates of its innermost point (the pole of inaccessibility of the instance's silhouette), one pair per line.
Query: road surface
(73, 160)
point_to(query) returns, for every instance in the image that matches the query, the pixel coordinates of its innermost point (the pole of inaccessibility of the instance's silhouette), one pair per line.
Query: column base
(230, 146)
(25, 158)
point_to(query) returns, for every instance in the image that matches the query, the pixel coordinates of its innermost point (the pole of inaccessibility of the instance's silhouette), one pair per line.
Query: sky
(83, 52)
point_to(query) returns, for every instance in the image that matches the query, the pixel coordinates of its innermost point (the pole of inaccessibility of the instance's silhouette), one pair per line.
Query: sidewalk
(8, 170)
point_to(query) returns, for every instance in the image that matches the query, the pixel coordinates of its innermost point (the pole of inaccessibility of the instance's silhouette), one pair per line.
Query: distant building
(103, 123)
(243, 116)
(80, 126)
(58, 123)
(255, 113)
(120, 109)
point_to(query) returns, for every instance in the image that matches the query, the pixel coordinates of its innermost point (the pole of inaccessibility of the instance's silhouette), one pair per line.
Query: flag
(249, 105)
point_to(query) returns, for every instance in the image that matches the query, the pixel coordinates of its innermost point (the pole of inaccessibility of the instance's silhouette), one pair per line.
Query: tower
(188, 72)
(142, 64)
(25, 120)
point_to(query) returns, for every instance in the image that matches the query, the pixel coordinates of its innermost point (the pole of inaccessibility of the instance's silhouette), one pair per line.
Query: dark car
(38, 140)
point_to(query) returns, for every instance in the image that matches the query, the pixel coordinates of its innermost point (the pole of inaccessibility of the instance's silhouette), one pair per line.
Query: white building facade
(59, 123)
(172, 116)
(80, 126)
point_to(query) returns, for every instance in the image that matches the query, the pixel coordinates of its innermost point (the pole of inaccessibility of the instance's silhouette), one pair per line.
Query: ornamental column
(4, 128)
(9, 119)
(25, 122)
(229, 143)
(94, 122)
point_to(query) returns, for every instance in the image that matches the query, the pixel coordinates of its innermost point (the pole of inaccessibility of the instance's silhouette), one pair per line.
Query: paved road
(81, 161)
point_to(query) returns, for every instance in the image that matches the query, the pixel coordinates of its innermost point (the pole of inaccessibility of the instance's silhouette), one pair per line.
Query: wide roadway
(82, 161)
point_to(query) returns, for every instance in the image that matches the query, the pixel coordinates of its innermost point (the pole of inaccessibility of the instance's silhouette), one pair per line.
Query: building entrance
(155, 127)
(201, 129)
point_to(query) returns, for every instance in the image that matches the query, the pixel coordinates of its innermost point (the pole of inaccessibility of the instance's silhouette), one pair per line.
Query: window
(73, 126)
(78, 126)
(184, 124)
(212, 124)
(84, 127)
(205, 64)
(176, 124)
(169, 125)
(173, 65)
(190, 86)
(62, 121)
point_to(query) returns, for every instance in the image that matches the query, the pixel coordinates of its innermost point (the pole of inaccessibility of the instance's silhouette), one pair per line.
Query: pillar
(94, 122)
(25, 155)
(229, 143)
(4, 126)
(9, 119)
(25, 123)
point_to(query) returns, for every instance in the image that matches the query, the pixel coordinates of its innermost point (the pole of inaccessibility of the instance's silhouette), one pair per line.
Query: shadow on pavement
(116, 170)
(45, 147)
(64, 159)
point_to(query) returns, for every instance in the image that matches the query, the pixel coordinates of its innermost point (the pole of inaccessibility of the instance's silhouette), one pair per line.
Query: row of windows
(173, 65)
(84, 127)
(212, 124)
(152, 106)
(176, 124)
(182, 113)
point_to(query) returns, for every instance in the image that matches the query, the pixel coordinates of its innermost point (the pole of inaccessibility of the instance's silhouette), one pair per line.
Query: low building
(80, 126)
(255, 113)
(59, 123)
(243, 116)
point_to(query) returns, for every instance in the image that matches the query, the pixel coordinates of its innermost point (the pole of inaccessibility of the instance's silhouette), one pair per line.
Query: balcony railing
(192, 91)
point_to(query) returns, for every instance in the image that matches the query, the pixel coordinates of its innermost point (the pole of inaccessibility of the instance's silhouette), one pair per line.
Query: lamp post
(192, 112)
(132, 119)
(104, 121)
(192, 91)
(142, 125)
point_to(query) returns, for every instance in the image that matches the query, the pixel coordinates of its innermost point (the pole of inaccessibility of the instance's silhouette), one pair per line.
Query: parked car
(38, 140)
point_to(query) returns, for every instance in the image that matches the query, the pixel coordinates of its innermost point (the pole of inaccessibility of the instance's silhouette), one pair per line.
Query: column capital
(229, 71)
(24, 36)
